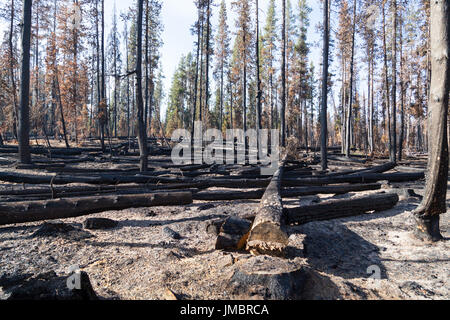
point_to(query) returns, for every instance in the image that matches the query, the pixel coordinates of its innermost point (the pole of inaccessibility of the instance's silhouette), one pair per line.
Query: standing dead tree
(142, 134)
(24, 111)
(434, 202)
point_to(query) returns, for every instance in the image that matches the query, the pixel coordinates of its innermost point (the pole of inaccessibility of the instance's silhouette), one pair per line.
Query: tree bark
(393, 146)
(266, 235)
(194, 111)
(258, 80)
(342, 208)
(348, 136)
(24, 212)
(402, 96)
(233, 234)
(334, 209)
(324, 108)
(434, 202)
(283, 78)
(11, 69)
(24, 111)
(208, 53)
(386, 80)
(287, 193)
(142, 134)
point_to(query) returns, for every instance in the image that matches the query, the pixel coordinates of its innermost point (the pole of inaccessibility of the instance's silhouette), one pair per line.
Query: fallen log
(231, 182)
(376, 169)
(95, 179)
(338, 189)
(24, 212)
(356, 178)
(266, 235)
(64, 160)
(62, 192)
(347, 160)
(329, 210)
(49, 195)
(341, 208)
(287, 193)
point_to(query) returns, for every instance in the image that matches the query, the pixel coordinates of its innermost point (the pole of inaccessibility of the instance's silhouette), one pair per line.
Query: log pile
(61, 184)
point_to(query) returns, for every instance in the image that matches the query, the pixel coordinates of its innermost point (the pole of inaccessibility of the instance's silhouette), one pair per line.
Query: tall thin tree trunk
(324, 112)
(142, 134)
(283, 78)
(147, 79)
(128, 83)
(24, 111)
(208, 53)
(202, 32)
(348, 144)
(402, 97)
(434, 202)
(100, 81)
(386, 78)
(393, 147)
(11, 70)
(194, 111)
(370, 105)
(258, 78)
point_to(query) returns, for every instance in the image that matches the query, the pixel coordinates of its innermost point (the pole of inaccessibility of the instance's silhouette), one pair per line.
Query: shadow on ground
(331, 247)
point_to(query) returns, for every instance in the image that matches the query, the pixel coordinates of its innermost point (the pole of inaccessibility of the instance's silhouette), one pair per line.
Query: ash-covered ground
(142, 259)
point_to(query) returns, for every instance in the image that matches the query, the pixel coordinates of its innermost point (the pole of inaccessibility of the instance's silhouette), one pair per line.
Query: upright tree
(352, 73)
(324, 108)
(393, 145)
(24, 111)
(258, 76)
(268, 54)
(243, 49)
(283, 76)
(222, 55)
(142, 134)
(434, 202)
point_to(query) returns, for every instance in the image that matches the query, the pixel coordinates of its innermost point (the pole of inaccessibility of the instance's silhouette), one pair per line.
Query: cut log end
(267, 239)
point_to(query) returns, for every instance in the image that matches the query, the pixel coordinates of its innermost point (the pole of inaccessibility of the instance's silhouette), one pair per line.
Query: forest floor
(139, 260)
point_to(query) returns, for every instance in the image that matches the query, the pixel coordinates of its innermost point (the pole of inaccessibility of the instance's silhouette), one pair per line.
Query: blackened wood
(233, 234)
(341, 208)
(266, 235)
(23, 212)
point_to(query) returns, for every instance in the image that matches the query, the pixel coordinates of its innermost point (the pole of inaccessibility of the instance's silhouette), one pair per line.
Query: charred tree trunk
(208, 53)
(142, 134)
(266, 235)
(386, 80)
(348, 136)
(434, 202)
(24, 112)
(23, 212)
(342, 208)
(258, 79)
(11, 70)
(324, 108)
(283, 78)
(402, 97)
(194, 111)
(393, 146)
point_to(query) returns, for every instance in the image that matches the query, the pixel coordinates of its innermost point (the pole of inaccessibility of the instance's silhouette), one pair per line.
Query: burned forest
(226, 150)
